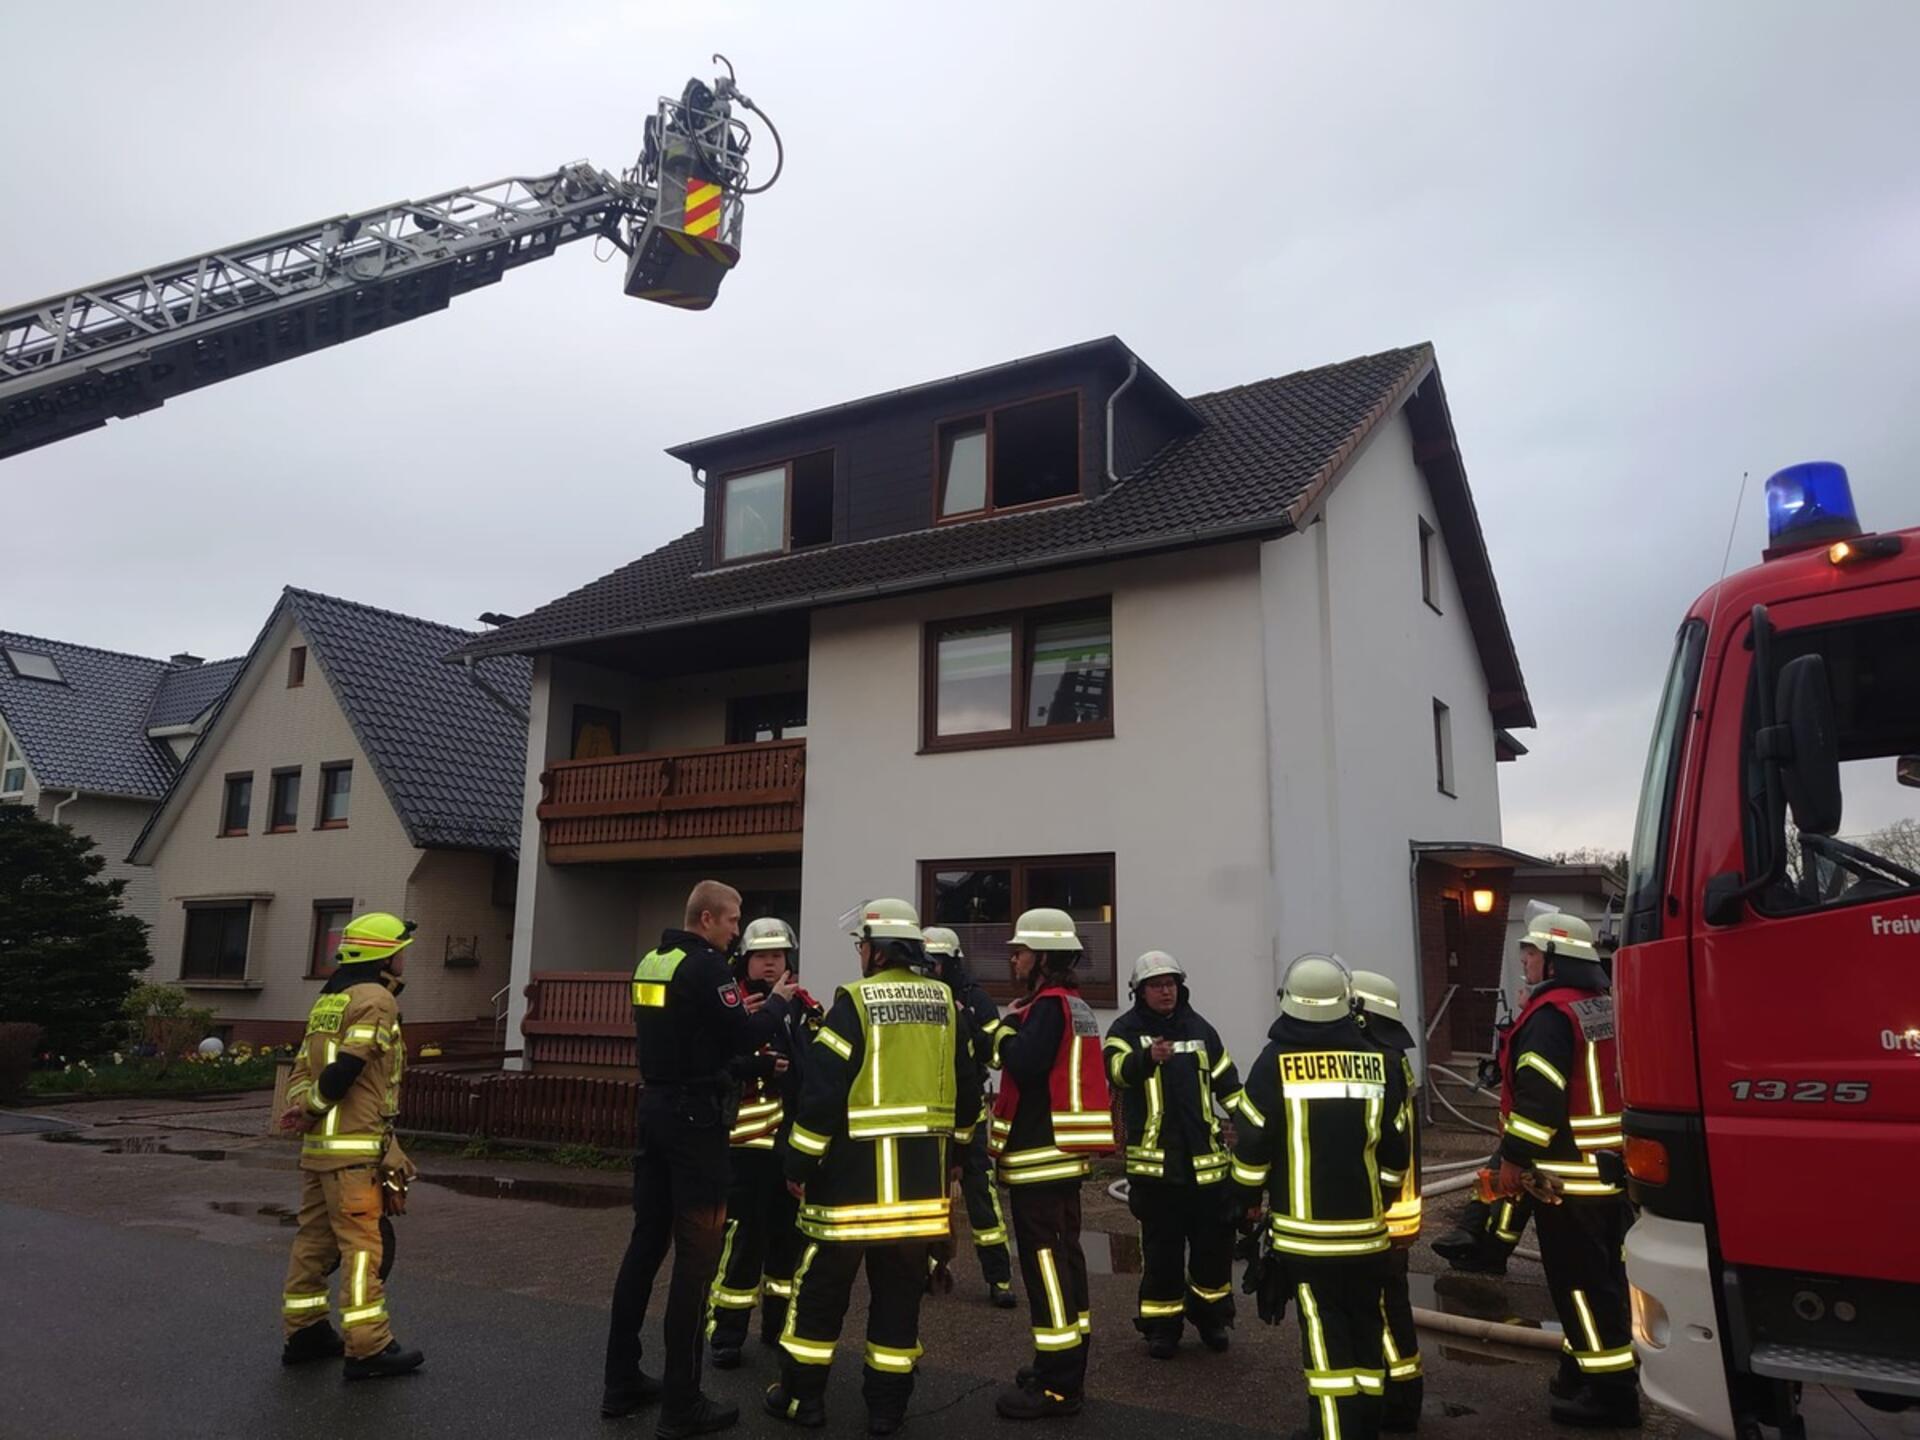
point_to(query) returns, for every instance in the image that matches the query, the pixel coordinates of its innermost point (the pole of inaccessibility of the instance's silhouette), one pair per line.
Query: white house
(1227, 676)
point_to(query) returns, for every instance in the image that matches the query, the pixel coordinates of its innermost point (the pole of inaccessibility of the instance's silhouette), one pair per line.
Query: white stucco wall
(113, 825)
(1355, 659)
(1178, 795)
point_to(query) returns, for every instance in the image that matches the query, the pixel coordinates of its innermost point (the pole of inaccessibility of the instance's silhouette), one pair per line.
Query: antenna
(1726, 557)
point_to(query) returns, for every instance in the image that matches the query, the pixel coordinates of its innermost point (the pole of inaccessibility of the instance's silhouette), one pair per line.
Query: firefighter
(979, 1015)
(761, 1243)
(1376, 999)
(343, 1097)
(1324, 1112)
(1052, 1115)
(888, 1102)
(1170, 1067)
(690, 1016)
(1560, 1107)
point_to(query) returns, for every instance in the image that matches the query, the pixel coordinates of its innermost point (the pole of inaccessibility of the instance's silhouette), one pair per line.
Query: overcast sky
(1654, 245)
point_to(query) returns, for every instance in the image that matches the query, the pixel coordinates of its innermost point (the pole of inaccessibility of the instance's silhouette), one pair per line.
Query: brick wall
(1474, 963)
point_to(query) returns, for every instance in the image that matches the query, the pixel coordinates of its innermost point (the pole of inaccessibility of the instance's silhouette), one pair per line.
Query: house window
(296, 667)
(780, 508)
(1443, 747)
(283, 812)
(979, 900)
(31, 665)
(216, 947)
(330, 917)
(1026, 454)
(237, 805)
(1016, 679)
(596, 732)
(13, 767)
(1428, 591)
(752, 719)
(336, 788)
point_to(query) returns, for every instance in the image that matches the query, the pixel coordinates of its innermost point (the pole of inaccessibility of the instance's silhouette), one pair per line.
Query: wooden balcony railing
(580, 1017)
(675, 804)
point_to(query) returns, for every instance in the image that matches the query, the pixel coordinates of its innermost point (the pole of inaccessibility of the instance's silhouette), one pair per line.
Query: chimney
(183, 658)
(495, 618)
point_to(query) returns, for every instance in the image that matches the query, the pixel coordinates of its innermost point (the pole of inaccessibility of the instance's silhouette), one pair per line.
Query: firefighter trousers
(1341, 1340)
(339, 1226)
(1400, 1341)
(680, 1176)
(1046, 1229)
(758, 1250)
(1581, 1246)
(823, 1286)
(1186, 1255)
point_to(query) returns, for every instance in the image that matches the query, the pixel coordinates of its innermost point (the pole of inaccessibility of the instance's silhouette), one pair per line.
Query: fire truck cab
(1768, 984)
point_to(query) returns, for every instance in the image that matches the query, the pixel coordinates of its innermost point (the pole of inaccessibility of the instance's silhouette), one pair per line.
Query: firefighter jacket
(1400, 1189)
(690, 1015)
(1560, 1087)
(888, 1084)
(1053, 1112)
(355, 1020)
(767, 1091)
(1324, 1113)
(1168, 1109)
(979, 1016)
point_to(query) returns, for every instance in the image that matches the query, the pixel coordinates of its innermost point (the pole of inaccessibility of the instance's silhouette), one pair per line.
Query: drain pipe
(63, 805)
(1133, 374)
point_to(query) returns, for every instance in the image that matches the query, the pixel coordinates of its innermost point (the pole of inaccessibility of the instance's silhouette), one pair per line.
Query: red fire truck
(1768, 984)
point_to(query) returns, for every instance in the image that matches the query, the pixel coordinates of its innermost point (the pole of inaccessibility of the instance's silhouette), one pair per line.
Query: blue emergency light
(1807, 505)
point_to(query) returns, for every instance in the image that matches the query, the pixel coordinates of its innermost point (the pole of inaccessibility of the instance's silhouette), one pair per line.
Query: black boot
(312, 1342)
(705, 1417)
(1615, 1407)
(1216, 1338)
(1401, 1413)
(391, 1361)
(629, 1396)
(1163, 1346)
(1033, 1401)
(724, 1357)
(1001, 1294)
(1567, 1380)
(811, 1412)
(884, 1422)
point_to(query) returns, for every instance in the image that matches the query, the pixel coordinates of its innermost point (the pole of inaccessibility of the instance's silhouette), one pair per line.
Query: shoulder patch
(730, 995)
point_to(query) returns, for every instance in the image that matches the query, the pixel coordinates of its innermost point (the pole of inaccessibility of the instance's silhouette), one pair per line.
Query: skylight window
(31, 665)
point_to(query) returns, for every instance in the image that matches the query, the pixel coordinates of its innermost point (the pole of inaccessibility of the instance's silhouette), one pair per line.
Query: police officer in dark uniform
(690, 1018)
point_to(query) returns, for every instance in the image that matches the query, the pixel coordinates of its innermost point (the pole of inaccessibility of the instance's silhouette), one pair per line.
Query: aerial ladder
(72, 362)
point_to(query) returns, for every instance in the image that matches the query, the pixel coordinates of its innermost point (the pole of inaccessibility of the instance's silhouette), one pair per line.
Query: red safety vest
(1082, 1106)
(1594, 1102)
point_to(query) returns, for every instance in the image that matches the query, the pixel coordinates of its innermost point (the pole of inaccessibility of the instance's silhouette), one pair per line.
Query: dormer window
(777, 508)
(31, 665)
(1010, 457)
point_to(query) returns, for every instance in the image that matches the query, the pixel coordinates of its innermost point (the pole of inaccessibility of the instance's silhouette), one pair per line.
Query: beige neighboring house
(92, 738)
(347, 769)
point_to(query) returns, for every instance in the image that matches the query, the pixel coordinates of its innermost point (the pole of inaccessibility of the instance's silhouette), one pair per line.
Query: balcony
(729, 800)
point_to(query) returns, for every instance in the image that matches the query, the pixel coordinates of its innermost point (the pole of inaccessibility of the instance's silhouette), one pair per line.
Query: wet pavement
(159, 1220)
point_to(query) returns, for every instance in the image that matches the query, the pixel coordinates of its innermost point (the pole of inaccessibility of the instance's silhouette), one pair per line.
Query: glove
(397, 1172)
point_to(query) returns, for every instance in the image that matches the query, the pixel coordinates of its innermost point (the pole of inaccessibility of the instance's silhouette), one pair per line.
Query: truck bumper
(1676, 1331)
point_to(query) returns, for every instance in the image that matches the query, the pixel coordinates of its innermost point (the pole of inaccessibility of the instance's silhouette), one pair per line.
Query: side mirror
(1907, 770)
(1803, 701)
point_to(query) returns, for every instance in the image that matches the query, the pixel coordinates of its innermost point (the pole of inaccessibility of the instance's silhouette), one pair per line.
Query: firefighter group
(783, 1145)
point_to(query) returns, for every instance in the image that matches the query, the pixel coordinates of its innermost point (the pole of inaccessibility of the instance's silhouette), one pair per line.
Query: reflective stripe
(1251, 1175)
(1224, 1063)
(787, 1335)
(649, 994)
(1532, 1061)
(343, 1145)
(1299, 1191)
(1160, 1309)
(1527, 1130)
(726, 1299)
(833, 1042)
(1302, 1245)
(1050, 1278)
(1605, 1360)
(360, 1267)
(777, 1289)
(1316, 1335)
(1596, 1097)
(1405, 1369)
(805, 1352)
(1211, 1297)
(985, 1238)
(888, 1357)
(1086, 1323)
(1283, 1221)
(1333, 1090)
(1069, 1169)
(806, 1142)
(296, 1304)
(1063, 1339)
(366, 1315)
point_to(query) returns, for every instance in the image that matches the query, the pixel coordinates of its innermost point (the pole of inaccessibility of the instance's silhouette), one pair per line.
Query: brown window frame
(195, 907)
(296, 667)
(1023, 623)
(316, 968)
(228, 781)
(284, 772)
(1443, 764)
(320, 820)
(1427, 576)
(720, 556)
(986, 414)
(1104, 994)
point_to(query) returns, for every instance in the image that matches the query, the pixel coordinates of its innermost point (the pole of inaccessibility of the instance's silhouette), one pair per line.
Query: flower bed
(241, 1068)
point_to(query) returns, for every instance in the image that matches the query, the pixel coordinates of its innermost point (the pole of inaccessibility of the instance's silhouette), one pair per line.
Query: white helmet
(1377, 994)
(1316, 989)
(1556, 934)
(1045, 930)
(1152, 965)
(767, 934)
(885, 920)
(942, 941)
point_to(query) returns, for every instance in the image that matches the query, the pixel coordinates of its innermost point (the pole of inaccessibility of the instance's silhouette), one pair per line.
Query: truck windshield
(1646, 871)
(1872, 668)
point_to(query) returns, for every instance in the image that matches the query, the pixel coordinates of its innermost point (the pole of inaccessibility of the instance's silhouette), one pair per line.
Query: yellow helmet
(1045, 929)
(885, 920)
(942, 941)
(374, 936)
